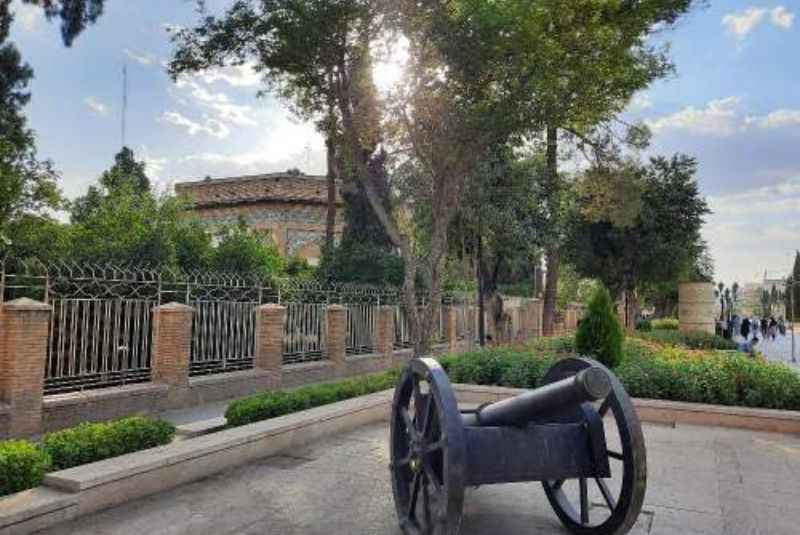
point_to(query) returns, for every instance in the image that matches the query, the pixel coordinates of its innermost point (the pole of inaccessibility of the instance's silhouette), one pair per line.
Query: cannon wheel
(632, 460)
(428, 459)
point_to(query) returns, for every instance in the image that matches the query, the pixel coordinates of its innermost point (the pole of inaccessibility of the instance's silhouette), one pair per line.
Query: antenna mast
(124, 100)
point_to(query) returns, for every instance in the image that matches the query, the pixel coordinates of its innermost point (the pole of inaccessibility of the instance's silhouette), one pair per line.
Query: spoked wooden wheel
(598, 506)
(427, 451)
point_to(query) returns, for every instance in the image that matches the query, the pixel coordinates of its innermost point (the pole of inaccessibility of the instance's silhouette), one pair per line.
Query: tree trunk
(632, 307)
(481, 304)
(330, 220)
(553, 252)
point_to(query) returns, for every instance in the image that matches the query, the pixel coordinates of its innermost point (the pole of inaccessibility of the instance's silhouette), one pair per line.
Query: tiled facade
(291, 208)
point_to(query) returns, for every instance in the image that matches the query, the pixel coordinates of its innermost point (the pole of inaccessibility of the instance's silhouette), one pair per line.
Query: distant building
(291, 207)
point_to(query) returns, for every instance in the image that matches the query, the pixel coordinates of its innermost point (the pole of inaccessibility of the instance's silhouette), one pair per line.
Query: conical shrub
(599, 333)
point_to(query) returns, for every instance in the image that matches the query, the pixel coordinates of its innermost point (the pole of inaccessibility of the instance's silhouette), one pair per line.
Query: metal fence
(101, 329)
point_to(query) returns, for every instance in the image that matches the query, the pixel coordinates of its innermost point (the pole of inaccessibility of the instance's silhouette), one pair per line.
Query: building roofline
(246, 178)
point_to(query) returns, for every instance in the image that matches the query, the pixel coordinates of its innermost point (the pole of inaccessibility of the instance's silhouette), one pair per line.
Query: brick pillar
(384, 338)
(451, 328)
(269, 337)
(337, 334)
(172, 350)
(23, 353)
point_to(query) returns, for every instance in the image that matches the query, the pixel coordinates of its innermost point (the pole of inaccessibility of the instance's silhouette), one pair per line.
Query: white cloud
(718, 117)
(220, 105)
(96, 106)
(777, 199)
(641, 101)
(209, 126)
(141, 59)
(776, 119)
(26, 16)
(741, 23)
(722, 117)
(244, 75)
(781, 17)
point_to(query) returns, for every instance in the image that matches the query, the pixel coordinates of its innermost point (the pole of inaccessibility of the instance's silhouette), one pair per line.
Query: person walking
(745, 328)
(773, 327)
(736, 325)
(764, 327)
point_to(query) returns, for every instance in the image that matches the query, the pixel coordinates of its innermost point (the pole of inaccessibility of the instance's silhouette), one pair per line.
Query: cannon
(578, 434)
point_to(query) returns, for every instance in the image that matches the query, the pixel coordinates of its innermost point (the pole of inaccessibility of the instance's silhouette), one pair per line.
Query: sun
(390, 64)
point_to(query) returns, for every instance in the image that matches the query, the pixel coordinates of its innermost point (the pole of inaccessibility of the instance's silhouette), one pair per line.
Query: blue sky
(734, 103)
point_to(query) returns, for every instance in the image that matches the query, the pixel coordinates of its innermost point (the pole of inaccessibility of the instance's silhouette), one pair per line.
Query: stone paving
(780, 349)
(701, 481)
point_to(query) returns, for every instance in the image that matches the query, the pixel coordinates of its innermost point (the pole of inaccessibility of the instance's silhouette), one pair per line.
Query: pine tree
(599, 333)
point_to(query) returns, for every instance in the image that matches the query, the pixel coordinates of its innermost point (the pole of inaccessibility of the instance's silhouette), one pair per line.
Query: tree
(661, 244)
(243, 250)
(588, 60)
(599, 334)
(74, 15)
(793, 291)
(121, 221)
(27, 186)
(497, 225)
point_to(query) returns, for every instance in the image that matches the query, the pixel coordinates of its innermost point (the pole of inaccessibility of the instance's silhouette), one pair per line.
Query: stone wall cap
(174, 307)
(24, 303)
(271, 306)
(337, 307)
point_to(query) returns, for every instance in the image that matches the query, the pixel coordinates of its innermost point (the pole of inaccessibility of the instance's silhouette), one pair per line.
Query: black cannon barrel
(587, 385)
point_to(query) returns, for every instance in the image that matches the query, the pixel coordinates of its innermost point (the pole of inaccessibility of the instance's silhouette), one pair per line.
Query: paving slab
(702, 480)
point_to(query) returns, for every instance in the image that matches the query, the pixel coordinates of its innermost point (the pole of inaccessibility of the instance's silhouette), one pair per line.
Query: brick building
(290, 207)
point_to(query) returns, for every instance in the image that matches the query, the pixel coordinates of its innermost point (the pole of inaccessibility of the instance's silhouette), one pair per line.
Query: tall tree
(660, 243)
(793, 291)
(27, 186)
(74, 15)
(588, 60)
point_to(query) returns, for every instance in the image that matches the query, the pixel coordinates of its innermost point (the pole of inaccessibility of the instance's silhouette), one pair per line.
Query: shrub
(689, 339)
(90, 442)
(272, 404)
(599, 333)
(22, 466)
(650, 370)
(644, 326)
(664, 324)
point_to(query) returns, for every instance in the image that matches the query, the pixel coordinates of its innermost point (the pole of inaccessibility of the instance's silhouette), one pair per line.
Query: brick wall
(24, 409)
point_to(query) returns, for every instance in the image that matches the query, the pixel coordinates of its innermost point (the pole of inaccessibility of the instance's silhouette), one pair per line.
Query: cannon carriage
(578, 434)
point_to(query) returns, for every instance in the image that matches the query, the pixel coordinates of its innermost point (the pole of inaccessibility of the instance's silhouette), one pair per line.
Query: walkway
(780, 349)
(701, 481)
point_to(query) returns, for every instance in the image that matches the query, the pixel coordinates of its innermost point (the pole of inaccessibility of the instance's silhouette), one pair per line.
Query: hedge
(90, 442)
(271, 404)
(688, 339)
(23, 465)
(649, 370)
(664, 324)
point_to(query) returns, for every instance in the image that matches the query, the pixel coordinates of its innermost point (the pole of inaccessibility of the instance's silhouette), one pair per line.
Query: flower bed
(688, 339)
(648, 370)
(23, 464)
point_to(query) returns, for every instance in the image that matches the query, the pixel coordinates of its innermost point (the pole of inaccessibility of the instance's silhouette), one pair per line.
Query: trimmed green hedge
(90, 442)
(689, 339)
(664, 324)
(271, 404)
(22, 466)
(649, 370)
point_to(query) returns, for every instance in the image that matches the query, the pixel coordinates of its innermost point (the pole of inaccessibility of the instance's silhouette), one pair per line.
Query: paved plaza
(780, 349)
(701, 481)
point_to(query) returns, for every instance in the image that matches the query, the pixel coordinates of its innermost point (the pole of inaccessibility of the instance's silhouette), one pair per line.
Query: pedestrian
(782, 326)
(773, 327)
(745, 328)
(749, 347)
(764, 327)
(736, 324)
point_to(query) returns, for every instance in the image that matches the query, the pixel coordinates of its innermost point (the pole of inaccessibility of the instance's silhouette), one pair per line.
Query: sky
(733, 103)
